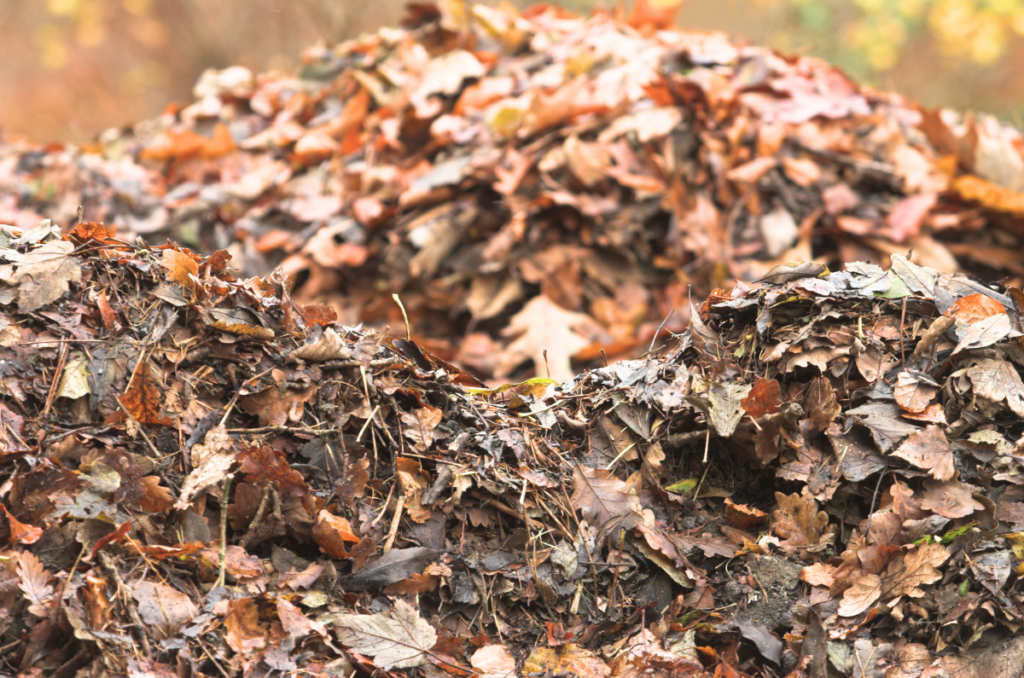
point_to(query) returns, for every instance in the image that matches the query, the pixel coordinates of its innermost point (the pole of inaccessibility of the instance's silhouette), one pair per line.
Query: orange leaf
(143, 398)
(21, 533)
(331, 532)
(975, 307)
(764, 398)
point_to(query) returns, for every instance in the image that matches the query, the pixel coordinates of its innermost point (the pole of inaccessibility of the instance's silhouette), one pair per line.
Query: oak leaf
(950, 498)
(798, 522)
(397, 639)
(34, 583)
(865, 591)
(913, 569)
(544, 325)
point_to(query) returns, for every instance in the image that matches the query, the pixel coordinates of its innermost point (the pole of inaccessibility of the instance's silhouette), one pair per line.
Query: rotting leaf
(600, 496)
(42, 275)
(798, 522)
(928, 449)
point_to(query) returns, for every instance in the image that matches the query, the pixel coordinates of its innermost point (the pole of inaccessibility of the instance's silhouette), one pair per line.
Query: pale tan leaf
(330, 346)
(913, 569)
(42, 275)
(912, 394)
(397, 639)
(162, 607)
(998, 380)
(494, 661)
(798, 521)
(727, 406)
(211, 460)
(985, 332)
(866, 590)
(544, 325)
(950, 499)
(34, 582)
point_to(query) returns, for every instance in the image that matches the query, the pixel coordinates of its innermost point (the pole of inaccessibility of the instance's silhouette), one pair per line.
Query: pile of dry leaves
(540, 179)
(202, 477)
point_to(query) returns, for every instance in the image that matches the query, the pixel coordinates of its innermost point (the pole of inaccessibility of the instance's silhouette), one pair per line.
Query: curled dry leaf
(329, 346)
(998, 380)
(211, 461)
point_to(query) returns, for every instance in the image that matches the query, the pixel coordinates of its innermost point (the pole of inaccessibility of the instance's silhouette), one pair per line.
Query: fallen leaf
(244, 633)
(798, 521)
(144, 397)
(600, 496)
(998, 380)
(331, 532)
(568, 659)
(764, 397)
(912, 393)
(950, 498)
(985, 332)
(493, 661)
(211, 461)
(163, 608)
(726, 401)
(542, 326)
(42, 275)
(397, 639)
(928, 449)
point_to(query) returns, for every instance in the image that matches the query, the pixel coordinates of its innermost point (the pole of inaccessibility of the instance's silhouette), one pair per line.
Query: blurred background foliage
(71, 68)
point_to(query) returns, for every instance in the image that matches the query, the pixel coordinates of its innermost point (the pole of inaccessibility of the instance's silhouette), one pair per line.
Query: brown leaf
(244, 633)
(144, 397)
(726, 406)
(765, 397)
(818, 574)
(913, 394)
(974, 307)
(865, 591)
(296, 624)
(34, 583)
(397, 639)
(743, 516)
(331, 532)
(985, 332)
(798, 521)
(820, 403)
(543, 325)
(950, 498)
(162, 607)
(913, 569)
(275, 409)
(42, 275)
(928, 449)
(568, 659)
(329, 346)
(21, 533)
(601, 496)
(181, 268)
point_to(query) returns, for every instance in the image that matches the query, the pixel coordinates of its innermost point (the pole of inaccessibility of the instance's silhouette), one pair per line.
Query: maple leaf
(544, 325)
(930, 450)
(42, 275)
(601, 496)
(397, 639)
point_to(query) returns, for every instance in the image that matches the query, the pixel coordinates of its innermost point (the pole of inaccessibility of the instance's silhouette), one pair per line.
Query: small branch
(789, 413)
(108, 566)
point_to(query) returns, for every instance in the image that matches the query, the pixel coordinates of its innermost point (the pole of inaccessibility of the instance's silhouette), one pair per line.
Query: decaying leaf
(600, 496)
(42, 275)
(928, 449)
(211, 461)
(798, 521)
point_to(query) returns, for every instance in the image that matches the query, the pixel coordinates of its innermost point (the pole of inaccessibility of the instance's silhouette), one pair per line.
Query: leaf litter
(821, 473)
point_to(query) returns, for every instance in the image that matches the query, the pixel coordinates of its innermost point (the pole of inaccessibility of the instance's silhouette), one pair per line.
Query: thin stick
(395, 520)
(222, 566)
(56, 380)
(655, 338)
(546, 366)
(408, 331)
(903, 318)
(145, 436)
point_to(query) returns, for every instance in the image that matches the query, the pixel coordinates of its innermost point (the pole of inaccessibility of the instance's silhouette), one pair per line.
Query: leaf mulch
(540, 179)
(823, 476)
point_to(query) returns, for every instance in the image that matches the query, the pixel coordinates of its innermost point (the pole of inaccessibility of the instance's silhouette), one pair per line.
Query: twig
(108, 566)
(223, 549)
(56, 380)
(395, 520)
(655, 337)
(145, 436)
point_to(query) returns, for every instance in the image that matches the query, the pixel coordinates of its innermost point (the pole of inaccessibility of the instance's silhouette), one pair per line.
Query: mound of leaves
(540, 178)
(200, 476)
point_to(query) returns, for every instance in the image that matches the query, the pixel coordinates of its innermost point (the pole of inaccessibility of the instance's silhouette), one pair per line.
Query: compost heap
(201, 476)
(540, 179)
